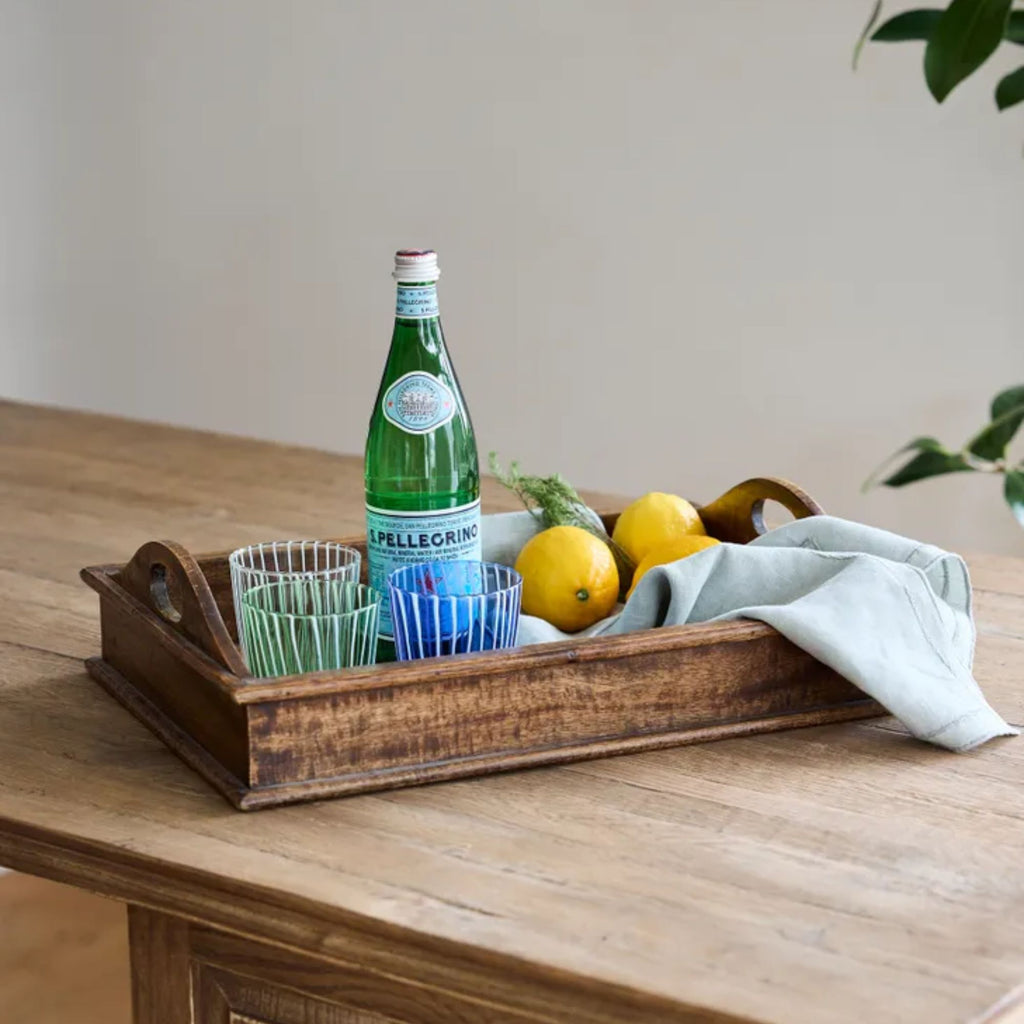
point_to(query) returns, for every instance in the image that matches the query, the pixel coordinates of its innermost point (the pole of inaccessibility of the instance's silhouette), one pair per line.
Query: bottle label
(416, 303)
(394, 539)
(418, 403)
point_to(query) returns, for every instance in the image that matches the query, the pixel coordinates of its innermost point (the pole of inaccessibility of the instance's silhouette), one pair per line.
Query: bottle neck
(416, 301)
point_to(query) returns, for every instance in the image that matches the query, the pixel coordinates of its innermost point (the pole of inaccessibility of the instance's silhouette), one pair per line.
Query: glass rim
(237, 563)
(364, 588)
(515, 580)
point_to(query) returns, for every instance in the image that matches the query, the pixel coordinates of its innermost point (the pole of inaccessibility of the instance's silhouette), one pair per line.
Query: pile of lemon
(569, 574)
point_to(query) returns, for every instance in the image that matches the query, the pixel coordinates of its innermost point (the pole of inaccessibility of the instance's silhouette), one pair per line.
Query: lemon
(671, 552)
(569, 577)
(654, 520)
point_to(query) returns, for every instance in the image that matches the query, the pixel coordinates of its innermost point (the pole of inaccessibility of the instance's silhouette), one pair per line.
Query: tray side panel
(137, 649)
(447, 771)
(545, 708)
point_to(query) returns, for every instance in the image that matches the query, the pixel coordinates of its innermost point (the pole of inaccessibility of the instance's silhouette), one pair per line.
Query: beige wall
(681, 242)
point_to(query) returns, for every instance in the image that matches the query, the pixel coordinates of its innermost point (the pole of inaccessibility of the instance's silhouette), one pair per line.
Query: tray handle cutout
(738, 515)
(168, 581)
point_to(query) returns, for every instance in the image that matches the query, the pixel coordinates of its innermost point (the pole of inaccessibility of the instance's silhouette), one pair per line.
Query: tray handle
(168, 581)
(738, 515)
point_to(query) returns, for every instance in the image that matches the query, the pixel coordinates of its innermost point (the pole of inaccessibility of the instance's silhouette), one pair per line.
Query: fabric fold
(890, 614)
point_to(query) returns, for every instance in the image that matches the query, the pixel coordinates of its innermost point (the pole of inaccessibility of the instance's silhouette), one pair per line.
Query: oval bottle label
(418, 403)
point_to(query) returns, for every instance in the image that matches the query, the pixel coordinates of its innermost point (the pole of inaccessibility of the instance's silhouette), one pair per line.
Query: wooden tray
(170, 656)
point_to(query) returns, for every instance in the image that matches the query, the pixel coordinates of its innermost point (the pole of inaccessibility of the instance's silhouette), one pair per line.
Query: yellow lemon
(671, 552)
(655, 520)
(569, 577)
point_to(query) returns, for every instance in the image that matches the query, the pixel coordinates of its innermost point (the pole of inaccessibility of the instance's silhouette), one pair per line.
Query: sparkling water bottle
(422, 474)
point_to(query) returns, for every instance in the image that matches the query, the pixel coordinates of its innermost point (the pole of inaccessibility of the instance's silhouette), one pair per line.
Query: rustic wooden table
(844, 873)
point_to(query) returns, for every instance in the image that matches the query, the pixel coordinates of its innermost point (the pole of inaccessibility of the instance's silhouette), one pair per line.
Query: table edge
(333, 933)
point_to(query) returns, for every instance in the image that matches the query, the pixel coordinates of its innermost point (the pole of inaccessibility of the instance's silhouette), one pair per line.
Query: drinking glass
(453, 608)
(283, 560)
(308, 625)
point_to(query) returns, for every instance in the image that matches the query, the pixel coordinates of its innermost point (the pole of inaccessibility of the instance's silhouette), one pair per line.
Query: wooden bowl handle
(168, 581)
(738, 515)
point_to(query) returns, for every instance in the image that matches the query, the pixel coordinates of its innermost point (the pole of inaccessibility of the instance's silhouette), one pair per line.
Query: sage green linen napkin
(890, 614)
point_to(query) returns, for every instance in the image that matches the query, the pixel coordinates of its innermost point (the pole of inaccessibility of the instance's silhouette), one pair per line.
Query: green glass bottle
(422, 473)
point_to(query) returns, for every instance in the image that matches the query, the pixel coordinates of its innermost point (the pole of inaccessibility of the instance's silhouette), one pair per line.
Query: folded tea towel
(890, 614)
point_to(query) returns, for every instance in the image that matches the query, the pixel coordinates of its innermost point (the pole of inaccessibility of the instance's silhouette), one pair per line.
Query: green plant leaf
(962, 40)
(873, 17)
(1007, 414)
(990, 442)
(917, 25)
(908, 26)
(1013, 491)
(1007, 400)
(1010, 90)
(1015, 28)
(919, 444)
(928, 464)
(932, 459)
